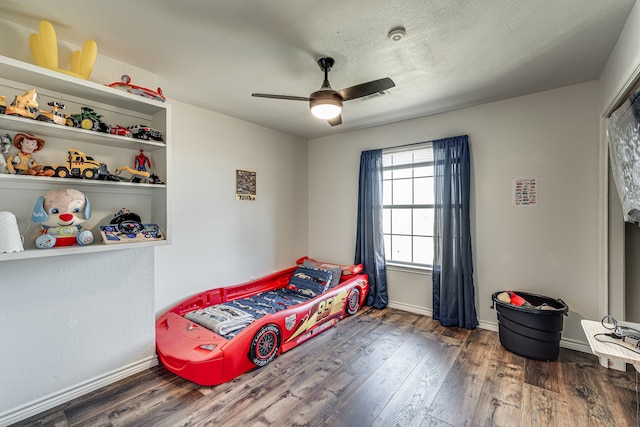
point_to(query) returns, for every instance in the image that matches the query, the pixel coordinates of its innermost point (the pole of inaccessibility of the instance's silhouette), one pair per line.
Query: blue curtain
(453, 292)
(369, 239)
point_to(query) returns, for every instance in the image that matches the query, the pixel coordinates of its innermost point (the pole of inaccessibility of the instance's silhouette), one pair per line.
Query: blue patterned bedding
(228, 319)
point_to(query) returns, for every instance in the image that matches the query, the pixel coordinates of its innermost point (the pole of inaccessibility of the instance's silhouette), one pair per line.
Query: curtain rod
(399, 147)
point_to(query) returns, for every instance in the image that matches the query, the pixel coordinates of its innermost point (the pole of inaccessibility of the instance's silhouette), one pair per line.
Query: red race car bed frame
(219, 334)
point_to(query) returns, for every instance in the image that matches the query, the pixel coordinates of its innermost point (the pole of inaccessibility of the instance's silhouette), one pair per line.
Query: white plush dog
(60, 213)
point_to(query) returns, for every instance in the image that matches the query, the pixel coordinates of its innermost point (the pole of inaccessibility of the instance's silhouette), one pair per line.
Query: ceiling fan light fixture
(326, 108)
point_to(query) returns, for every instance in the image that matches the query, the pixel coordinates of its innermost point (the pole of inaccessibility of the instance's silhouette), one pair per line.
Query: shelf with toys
(111, 146)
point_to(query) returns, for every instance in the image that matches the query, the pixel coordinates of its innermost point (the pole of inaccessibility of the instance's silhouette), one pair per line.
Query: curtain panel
(452, 278)
(369, 238)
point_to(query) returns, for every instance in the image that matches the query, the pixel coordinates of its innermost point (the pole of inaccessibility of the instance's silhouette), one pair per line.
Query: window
(408, 205)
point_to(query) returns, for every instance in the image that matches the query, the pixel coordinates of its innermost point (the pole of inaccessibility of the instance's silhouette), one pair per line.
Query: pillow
(310, 282)
(346, 269)
(336, 271)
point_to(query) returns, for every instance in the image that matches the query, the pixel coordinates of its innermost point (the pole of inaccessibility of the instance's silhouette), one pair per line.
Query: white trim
(603, 220)
(411, 308)
(45, 403)
(425, 271)
(491, 326)
(575, 345)
(564, 342)
(633, 73)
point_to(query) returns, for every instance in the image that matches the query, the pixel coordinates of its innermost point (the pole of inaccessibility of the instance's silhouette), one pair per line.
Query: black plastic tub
(531, 332)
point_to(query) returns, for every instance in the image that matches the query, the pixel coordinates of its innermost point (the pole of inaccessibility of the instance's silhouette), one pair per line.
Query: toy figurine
(142, 161)
(61, 213)
(5, 142)
(21, 163)
(54, 115)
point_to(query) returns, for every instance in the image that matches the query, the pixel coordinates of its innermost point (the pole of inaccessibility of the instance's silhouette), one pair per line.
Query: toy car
(219, 334)
(87, 119)
(125, 84)
(145, 132)
(120, 130)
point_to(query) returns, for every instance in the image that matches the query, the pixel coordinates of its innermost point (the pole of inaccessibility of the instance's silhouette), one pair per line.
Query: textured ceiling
(215, 53)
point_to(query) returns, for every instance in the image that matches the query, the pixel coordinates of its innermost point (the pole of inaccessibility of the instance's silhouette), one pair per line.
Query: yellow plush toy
(44, 47)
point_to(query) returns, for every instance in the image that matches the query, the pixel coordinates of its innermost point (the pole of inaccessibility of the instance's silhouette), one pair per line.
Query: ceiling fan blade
(291, 98)
(364, 89)
(335, 121)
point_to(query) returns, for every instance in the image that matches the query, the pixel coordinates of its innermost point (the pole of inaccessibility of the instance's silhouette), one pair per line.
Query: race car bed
(219, 334)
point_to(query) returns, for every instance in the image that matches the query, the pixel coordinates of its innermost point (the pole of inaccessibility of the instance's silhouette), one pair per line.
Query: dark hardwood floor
(378, 368)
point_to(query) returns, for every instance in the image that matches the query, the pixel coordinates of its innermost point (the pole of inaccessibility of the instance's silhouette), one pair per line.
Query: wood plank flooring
(377, 368)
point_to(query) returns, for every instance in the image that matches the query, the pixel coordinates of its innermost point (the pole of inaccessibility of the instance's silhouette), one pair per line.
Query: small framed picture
(525, 191)
(245, 185)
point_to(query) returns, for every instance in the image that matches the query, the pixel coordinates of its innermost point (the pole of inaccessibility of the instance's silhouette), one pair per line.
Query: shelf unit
(18, 193)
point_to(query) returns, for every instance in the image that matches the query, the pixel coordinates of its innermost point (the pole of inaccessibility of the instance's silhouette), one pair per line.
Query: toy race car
(219, 334)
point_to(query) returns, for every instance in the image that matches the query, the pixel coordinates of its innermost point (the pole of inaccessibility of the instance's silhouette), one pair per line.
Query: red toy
(142, 162)
(125, 84)
(255, 321)
(121, 131)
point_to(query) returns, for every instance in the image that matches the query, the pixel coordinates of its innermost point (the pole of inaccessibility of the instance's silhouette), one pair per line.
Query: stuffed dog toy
(60, 213)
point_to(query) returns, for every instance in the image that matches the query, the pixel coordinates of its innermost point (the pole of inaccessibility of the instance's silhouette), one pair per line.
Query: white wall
(71, 320)
(218, 241)
(551, 249)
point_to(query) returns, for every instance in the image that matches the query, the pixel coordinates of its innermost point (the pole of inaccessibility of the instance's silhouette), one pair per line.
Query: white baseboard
(411, 308)
(51, 401)
(491, 326)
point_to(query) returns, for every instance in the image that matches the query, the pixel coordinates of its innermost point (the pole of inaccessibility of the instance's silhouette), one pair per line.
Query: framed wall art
(525, 191)
(245, 185)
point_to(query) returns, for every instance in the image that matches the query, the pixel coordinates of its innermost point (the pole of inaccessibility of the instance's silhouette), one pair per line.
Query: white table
(610, 351)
